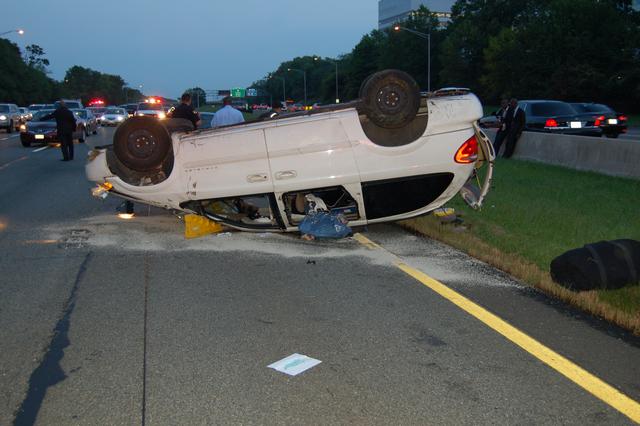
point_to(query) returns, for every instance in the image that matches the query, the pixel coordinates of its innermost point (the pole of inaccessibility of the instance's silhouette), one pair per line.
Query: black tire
(141, 143)
(612, 135)
(25, 143)
(95, 132)
(390, 99)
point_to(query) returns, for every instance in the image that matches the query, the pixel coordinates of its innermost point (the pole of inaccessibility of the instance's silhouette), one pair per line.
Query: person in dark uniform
(516, 121)
(186, 111)
(501, 115)
(276, 110)
(65, 125)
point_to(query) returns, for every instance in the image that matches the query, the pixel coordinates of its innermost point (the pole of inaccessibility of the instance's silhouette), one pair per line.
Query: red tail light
(622, 117)
(599, 120)
(468, 152)
(551, 123)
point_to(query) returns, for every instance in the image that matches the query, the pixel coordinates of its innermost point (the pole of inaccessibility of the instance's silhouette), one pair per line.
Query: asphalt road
(105, 321)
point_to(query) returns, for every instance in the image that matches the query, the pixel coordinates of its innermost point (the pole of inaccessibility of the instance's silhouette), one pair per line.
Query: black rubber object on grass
(602, 265)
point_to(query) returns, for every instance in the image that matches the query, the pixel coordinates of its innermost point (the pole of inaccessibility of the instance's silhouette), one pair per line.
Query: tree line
(25, 80)
(574, 50)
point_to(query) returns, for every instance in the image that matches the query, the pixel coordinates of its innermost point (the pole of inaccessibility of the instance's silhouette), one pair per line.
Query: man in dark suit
(501, 115)
(515, 125)
(65, 125)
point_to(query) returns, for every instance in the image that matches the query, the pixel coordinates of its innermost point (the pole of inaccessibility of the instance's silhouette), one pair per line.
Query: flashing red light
(622, 117)
(94, 102)
(551, 123)
(599, 120)
(468, 152)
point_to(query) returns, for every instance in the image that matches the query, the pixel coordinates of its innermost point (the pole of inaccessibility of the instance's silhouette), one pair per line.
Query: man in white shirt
(226, 115)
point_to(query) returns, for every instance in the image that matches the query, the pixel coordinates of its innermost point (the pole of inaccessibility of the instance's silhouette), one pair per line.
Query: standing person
(65, 126)
(186, 111)
(227, 115)
(276, 110)
(501, 115)
(515, 127)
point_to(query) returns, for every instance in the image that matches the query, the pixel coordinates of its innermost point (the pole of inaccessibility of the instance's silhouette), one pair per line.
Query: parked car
(70, 103)
(391, 155)
(113, 116)
(10, 117)
(150, 109)
(611, 122)
(44, 131)
(86, 120)
(557, 117)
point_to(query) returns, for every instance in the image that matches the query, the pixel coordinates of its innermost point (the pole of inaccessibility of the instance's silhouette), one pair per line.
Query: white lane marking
(5, 165)
(41, 149)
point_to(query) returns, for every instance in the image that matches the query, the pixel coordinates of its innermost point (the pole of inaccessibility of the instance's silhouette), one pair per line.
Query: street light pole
(284, 91)
(19, 31)
(336, 64)
(428, 37)
(304, 78)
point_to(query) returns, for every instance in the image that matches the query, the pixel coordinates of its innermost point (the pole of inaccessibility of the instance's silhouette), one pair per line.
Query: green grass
(536, 212)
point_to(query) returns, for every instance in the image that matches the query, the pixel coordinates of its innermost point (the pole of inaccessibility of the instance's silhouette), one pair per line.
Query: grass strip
(536, 212)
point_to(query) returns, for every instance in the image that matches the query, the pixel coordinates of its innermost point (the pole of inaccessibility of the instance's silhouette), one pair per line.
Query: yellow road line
(573, 372)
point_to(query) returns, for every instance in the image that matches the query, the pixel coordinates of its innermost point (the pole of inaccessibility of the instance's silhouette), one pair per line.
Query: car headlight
(3, 117)
(23, 128)
(161, 115)
(119, 118)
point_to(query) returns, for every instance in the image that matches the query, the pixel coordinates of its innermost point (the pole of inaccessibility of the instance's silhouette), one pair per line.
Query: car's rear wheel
(390, 99)
(26, 143)
(141, 143)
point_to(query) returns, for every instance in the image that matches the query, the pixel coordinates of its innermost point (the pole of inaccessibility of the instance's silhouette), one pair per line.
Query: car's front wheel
(141, 143)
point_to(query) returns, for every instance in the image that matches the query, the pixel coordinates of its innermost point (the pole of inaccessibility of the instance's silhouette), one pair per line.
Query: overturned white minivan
(392, 154)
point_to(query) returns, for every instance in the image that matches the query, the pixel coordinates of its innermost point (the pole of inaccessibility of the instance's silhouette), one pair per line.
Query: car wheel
(141, 143)
(390, 99)
(25, 143)
(612, 135)
(95, 131)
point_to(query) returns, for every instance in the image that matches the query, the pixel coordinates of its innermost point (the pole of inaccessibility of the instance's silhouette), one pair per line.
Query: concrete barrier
(614, 157)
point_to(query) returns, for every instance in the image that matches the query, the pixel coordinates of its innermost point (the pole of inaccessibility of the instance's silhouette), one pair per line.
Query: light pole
(304, 77)
(428, 37)
(19, 31)
(284, 92)
(336, 64)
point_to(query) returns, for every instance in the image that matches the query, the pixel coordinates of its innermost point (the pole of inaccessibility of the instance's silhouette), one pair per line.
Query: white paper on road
(294, 364)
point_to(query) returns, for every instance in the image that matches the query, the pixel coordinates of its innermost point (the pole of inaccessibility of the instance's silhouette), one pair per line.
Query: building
(390, 11)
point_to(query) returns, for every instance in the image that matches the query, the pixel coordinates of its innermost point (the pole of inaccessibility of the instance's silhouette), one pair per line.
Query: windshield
(591, 108)
(35, 107)
(115, 111)
(4, 108)
(38, 115)
(80, 113)
(148, 106)
(546, 109)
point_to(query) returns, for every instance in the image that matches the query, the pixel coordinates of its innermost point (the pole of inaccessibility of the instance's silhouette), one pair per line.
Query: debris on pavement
(197, 226)
(294, 364)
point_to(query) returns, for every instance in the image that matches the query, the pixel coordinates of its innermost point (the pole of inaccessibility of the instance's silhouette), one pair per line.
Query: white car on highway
(392, 154)
(113, 116)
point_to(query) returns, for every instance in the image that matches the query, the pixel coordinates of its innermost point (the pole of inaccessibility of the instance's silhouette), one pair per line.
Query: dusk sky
(168, 46)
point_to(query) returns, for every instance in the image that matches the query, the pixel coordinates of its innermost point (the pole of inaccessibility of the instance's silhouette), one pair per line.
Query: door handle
(260, 177)
(287, 174)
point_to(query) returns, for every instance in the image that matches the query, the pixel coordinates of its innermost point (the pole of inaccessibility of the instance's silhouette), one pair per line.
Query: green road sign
(238, 92)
